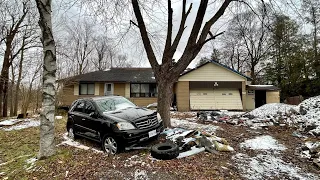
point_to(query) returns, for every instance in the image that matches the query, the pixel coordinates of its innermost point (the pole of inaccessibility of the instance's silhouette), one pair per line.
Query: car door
(79, 118)
(92, 122)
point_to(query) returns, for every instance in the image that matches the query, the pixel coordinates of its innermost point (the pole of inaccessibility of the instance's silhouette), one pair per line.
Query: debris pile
(192, 142)
(311, 151)
(306, 116)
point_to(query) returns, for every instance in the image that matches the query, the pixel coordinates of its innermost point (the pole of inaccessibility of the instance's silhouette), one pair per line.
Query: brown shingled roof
(134, 75)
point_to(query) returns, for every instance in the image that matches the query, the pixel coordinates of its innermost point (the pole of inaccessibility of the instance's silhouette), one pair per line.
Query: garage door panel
(205, 99)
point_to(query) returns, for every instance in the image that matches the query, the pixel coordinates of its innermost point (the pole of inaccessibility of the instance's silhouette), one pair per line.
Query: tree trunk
(47, 146)
(165, 94)
(15, 108)
(4, 78)
(12, 92)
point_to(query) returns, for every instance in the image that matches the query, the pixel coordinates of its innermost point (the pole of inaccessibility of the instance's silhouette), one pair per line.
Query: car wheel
(110, 145)
(71, 133)
(165, 151)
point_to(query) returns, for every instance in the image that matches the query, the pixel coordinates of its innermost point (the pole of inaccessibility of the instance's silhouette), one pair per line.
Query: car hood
(131, 114)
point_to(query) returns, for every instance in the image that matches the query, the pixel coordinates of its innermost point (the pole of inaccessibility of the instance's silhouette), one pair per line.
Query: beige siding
(127, 90)
(211, 72)
(101, 89)
(244, 96)
(250, 102)
(66, 96)
(183, 96)
(96, 89)
(205, 99)
(76, 89)
(143, 101)
(119, 89)
(273, 97)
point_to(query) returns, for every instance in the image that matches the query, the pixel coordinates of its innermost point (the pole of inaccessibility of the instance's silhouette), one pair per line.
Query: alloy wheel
(110, 145)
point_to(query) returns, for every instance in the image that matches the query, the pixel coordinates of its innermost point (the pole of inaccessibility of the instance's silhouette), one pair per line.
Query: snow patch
(24, 123)
(269, 110)
(268, 166)
(76, 144)
(195, 126)
(133, 161)
(30, 164)
(265, 142)
(9, 122)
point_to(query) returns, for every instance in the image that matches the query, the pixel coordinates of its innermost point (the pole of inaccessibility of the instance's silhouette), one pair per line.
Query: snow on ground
(30, 164)
(269, 110)
(133, 161)
(192, 125)
(9, 122)
(265, 142)
(268, 166)
(70, 142)
(23, 123)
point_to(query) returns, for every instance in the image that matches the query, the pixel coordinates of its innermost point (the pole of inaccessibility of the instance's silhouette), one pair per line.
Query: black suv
(113, 121)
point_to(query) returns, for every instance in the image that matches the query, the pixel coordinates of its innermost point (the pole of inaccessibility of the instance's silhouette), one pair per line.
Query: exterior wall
(96, 89)
(211, 72)
(183, 96)
(119, 89)
(244, 96)
(273, 97)
(101, 89)
(143, 101)
(127, 90)
(250, 105)
(67, 95)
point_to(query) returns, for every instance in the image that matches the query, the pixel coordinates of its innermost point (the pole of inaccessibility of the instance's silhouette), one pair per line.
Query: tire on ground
(165, 151)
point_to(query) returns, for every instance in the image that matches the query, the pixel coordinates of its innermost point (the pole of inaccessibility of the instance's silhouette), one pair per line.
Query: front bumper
(135, 136)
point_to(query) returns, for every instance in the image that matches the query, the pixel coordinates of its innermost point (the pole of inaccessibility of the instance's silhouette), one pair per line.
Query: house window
(143, 90)
(86, 89)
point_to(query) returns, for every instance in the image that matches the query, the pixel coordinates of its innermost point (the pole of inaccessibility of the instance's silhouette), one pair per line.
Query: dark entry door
(260, 98)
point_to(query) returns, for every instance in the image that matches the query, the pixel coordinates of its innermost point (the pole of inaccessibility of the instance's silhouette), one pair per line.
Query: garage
(210, 99)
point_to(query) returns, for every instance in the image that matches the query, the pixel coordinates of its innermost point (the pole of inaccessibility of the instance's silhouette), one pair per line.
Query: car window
(114, 104)
(89, 108)
(79, 107)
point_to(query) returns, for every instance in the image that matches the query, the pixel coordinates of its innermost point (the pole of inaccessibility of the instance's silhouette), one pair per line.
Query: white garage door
(206, 99)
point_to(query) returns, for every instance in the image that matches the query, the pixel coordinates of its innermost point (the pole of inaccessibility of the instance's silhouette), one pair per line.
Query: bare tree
(79, 45)
(16, 12)
(47, 146)
(168, 72)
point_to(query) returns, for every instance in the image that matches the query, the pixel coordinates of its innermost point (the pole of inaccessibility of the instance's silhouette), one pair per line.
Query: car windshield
(113, 104)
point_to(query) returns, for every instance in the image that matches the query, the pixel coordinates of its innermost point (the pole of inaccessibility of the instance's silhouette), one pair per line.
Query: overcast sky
(128, 41)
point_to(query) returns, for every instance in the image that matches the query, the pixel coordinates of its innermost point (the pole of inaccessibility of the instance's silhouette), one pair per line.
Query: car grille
(148, 122)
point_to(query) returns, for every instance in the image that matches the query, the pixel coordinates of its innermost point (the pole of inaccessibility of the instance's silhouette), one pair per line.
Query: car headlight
(125, 126)
(159, 118)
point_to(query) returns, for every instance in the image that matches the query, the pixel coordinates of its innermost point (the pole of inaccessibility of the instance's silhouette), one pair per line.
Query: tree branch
(184, 16)
(208, 25)
(145, 39)
(167, 49)
(212, 37)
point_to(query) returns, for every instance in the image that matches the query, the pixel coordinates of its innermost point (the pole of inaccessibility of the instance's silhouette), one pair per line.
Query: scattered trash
(58, 117)
(190, 142)
(311, 151)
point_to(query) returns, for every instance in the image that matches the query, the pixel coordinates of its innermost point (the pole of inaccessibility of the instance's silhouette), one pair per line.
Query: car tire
(165, 151)
(110, 145)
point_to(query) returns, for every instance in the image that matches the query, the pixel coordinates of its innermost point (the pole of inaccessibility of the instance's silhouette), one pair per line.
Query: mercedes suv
(113, 121)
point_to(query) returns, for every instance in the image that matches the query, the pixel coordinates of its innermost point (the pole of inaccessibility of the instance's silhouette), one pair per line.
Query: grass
(18, 146)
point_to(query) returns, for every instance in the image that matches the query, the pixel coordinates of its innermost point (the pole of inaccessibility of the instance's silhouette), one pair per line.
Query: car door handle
(83, 119)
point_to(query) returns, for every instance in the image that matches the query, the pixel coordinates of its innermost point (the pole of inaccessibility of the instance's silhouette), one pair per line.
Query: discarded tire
(165, 151)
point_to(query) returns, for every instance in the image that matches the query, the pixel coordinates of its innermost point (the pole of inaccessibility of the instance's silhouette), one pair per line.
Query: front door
(108, 89)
